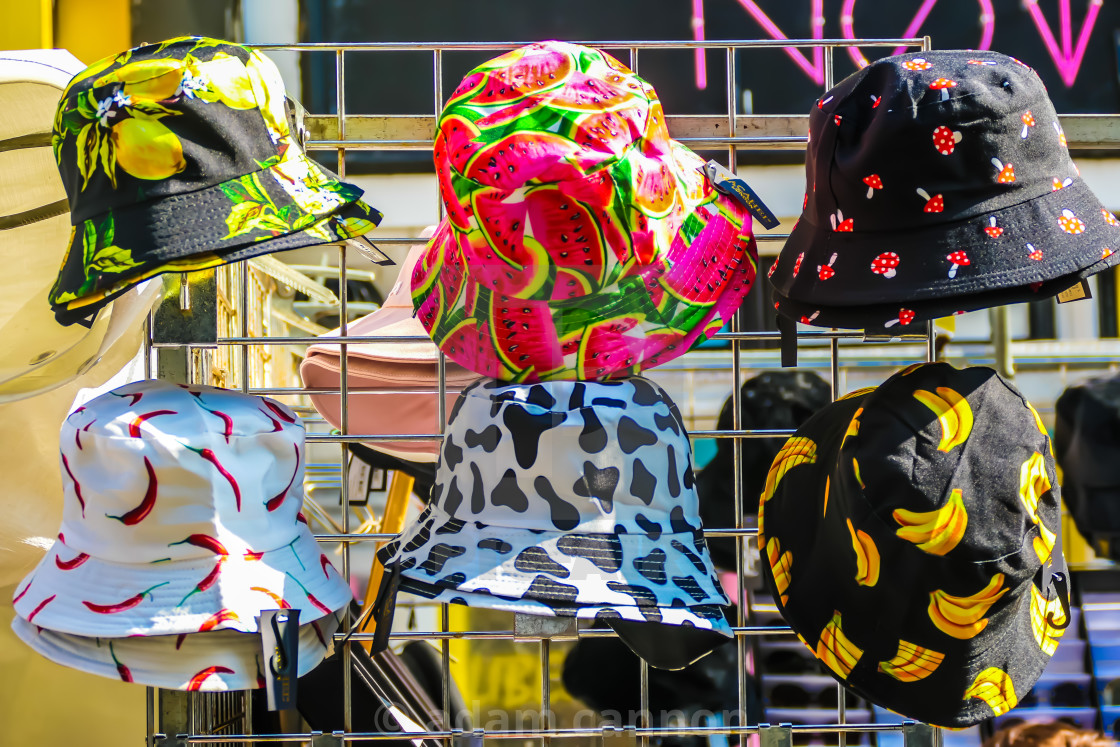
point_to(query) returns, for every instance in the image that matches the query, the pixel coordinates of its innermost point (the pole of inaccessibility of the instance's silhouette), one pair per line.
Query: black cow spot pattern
(593, 439)
(544, 588)
(452, 526)
(642, 483)
(454, 496)
(564, 515)
(603, 550)
(632, 436)
(677, 523)
(598, 483)
(508, 493)
(529, 427)
(649, 526)
(452, 453)
(478, 494)
(408, 563)
(689, 586)
(644, 393)
(575, 400)
(643, 597)
(493, 543)
(536, 560)
(453, 581)
(488, 439)
(540, 396)
(608, 402)
(666, 423)
(438, 557)
(419, 540)
(693, 558)
(672, 482)
(652, 566)
(689, 479)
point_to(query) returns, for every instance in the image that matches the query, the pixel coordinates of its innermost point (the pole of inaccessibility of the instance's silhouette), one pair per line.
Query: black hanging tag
(788, 328)
(369, 250)
(736, 187)
(384, 606)
(280, 641)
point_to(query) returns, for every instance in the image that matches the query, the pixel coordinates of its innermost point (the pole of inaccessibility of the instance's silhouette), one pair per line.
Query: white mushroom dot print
(945, 140)
(824, 272)
(839, 224)
(905, 316)
(1109, 218)
(956, 259)
(943, 85)
(917, 63)
(1059, 184)
(1028, 123)
(1006, 173)
(885, 264)
(992, 229)
(935, 204)
(1033, 253)
(873, 183)
(1070, 223)
(797, 263)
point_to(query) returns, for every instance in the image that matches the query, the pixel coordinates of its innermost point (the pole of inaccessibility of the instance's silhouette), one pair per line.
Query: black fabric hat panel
(932, 179)
(910, 539)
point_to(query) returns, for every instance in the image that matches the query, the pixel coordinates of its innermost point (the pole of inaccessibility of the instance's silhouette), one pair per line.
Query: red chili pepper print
(279, 412)
(206, 583)
(217, 619)
(134, 426)
(319, 633)
(324, 563)
(227, 421)
(78, 433)
(206, 542)
(42, 604)
(275, 502)
(250, 555)
(276, 598)
(134, 396)
(138, 514)
(208, 455)
(77, 486)
(300, 517)
(69, 565)
(127, 604)
(196, 682)
(276, 427)
(310, 597)
(122, 670)
(25, 590)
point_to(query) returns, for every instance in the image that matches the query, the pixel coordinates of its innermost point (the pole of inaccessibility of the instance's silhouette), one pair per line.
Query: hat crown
(167, 119)
(154, 471)
(929, 138)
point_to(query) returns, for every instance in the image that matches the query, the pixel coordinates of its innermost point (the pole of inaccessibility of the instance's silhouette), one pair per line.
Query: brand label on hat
(732, 186)
(368, 249)
(280, 641)
(1076, 292)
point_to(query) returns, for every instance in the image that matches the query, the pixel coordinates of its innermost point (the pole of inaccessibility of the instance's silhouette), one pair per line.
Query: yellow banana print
(963, 617)
(853, 427)
(994, 687)
(867, 557)
(1033, 484)
(797, 450)
(936, 532)
(910, 369)
(855, 469)
(834, 649)
(1045, 634)
(912, 662)
(856, 393)
(827, 484)
(952, 411)
(780, 565)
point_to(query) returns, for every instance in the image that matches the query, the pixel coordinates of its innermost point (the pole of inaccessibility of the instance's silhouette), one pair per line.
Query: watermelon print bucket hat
(214, 661)
(180, 156)
(910, 537)
(937, 182)
(568, 499)
(181, 514)
(581, 242)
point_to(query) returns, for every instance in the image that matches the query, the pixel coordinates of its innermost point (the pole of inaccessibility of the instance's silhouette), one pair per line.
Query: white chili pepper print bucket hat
(181, 514)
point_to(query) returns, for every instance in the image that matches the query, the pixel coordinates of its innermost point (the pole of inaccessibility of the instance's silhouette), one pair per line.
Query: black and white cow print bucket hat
(568, 499)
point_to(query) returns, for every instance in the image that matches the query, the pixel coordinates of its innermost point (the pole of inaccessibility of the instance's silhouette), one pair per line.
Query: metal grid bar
(347, 132)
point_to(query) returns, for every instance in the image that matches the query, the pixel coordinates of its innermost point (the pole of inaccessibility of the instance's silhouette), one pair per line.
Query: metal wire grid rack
(236, 357)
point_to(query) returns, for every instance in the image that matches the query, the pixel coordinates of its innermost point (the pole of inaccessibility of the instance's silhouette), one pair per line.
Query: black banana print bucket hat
(910, 539)
(937, 183)
(180, 156)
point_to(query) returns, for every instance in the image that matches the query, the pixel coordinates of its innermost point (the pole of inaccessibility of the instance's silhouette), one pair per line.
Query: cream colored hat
(39, 353)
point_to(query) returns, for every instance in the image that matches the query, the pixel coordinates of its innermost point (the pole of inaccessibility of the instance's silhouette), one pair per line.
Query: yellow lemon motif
(780, 565)
(1033, 484)
(994, 687)
(146, 149)
(268, 90)
(867, 556)
(963, 617)
(1045, 633)
(835, 649)
(149, 79)
(229, 79)
(912, 662)
(952, 411)
(936, 532)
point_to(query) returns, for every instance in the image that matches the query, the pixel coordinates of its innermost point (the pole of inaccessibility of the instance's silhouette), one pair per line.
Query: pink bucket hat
(581, 242)
(392, 387)
(181, 514)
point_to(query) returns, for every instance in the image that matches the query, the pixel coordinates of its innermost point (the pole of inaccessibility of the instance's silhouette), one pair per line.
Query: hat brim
(927, 283)
(87, 596)
(289, 205)
(496, 572)
(215, 661)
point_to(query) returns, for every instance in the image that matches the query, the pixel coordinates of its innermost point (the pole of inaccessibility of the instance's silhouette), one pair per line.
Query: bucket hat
(180, 156)
(1085, 440)
(181, 513)
(581, 242)
(937, 182)
(40, 354)
(566, 499)
(771, 400)
(213, 661)
(910, 534)
(392, 387)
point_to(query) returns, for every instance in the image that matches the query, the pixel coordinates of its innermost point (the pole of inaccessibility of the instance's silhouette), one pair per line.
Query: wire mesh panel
(510, 660)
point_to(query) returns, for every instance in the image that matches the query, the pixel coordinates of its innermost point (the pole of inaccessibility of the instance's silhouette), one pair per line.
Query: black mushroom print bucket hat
(181, 156)
(936, 183)
(910, 538)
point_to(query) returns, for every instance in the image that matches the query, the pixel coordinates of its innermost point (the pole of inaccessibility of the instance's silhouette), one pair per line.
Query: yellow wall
(26, 24)
(92, 29)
